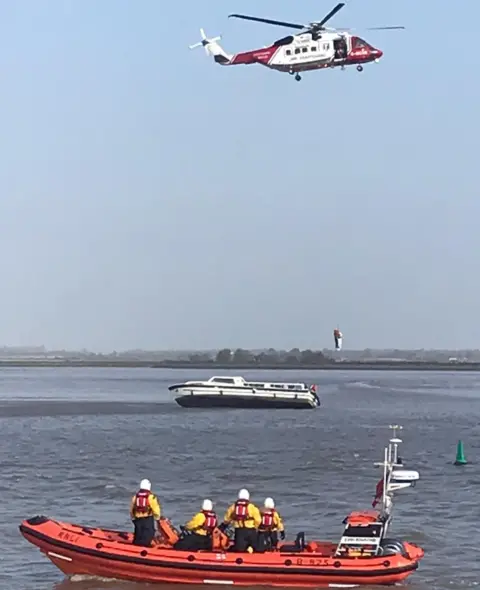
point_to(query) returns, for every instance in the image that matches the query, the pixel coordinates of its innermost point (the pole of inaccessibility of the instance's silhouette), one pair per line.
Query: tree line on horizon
(241, 356)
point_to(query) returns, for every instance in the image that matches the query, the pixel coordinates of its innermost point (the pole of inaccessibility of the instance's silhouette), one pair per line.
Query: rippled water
(74, 444)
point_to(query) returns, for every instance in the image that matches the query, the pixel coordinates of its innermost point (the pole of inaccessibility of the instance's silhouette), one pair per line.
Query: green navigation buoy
(460, 458)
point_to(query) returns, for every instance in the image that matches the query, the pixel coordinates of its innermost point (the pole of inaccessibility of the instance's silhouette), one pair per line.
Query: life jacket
(268, 519)
(142, 505)
(241, 510)
(210, 520)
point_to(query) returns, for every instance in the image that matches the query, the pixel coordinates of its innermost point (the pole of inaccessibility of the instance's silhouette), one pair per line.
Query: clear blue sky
(151, 198)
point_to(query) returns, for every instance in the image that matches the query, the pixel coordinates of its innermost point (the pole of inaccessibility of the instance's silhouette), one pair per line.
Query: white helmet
(244, 494)
(145, 484)
(269, 503)
(207, 505)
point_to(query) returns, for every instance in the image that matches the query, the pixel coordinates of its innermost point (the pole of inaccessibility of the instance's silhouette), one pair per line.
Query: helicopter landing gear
(297, 75)
(359, 68)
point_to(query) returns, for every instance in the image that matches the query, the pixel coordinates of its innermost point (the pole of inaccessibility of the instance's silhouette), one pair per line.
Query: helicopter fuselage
(300, 53)
(314, 48)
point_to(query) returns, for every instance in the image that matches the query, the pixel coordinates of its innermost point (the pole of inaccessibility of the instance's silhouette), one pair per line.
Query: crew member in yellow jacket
(199, 530)
(246, 519)
(270, 527)
(144, 511)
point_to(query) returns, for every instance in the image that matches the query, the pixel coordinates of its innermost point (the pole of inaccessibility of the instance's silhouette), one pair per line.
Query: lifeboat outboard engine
(392, 547)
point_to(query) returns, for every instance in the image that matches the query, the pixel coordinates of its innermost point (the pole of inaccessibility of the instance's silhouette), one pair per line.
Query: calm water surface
(74, 444)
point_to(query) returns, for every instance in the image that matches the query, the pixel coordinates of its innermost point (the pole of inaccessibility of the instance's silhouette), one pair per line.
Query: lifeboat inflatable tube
(78, 550)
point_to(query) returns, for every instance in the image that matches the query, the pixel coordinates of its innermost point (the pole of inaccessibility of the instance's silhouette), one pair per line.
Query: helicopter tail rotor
(213, 48)
(205, 42)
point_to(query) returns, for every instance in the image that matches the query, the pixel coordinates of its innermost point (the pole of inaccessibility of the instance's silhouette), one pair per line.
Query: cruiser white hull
(234, 392)
(224, 398)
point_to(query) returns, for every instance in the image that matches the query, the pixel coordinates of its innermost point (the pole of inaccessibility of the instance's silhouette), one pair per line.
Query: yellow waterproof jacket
(153, 508)
(198, 522)
(252, 520)
(271, 521)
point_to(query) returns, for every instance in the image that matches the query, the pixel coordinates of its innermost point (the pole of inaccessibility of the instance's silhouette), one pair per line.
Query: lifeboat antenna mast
(393, 479)
(395, 441)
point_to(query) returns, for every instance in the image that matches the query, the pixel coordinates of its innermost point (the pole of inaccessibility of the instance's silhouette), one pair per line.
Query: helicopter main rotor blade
(383, 28)
(347, 30)
(268, 21)
(332, 13)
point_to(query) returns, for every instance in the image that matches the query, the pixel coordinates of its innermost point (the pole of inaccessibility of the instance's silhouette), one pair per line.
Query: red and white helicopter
(316, 47)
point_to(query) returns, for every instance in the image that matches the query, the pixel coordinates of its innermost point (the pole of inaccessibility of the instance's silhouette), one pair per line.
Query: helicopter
(315, 47)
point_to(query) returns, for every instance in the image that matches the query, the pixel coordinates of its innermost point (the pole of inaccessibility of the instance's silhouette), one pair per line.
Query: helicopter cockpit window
(360, 43)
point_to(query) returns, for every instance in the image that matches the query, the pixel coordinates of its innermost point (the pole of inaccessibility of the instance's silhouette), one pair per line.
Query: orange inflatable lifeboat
(364, 555)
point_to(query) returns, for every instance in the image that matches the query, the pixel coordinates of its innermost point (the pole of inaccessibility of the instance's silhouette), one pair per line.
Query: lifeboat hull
(78, 550)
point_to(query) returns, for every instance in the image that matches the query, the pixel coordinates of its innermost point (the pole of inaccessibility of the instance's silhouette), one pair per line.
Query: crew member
(246, 519)
(201, 528)
(270, 527)
(144, 511)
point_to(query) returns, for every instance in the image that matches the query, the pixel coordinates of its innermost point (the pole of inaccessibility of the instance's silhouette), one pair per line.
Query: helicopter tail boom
(213, 48)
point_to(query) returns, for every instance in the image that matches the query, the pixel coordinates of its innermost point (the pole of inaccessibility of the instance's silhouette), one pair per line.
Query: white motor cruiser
(235, 392)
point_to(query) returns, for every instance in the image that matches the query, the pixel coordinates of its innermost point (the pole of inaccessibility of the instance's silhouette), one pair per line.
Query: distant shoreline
(216, 367)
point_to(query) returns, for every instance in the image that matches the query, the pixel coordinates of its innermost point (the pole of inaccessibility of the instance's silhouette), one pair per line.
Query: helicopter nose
(378, 53)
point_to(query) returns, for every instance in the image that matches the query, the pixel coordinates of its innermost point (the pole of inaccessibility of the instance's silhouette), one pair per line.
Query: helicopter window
(289, 52)
(313, 48)
(326, 46)
(297, 50)
(359, 43)
(304, 49)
